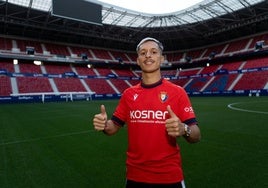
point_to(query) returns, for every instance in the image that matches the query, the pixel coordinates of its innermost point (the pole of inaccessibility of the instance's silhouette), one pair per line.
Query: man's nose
(148, 54)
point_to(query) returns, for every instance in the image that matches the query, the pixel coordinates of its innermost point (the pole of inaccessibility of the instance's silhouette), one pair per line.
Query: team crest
(163, 96)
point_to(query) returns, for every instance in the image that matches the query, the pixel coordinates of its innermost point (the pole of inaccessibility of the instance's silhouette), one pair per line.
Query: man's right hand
(100, 120)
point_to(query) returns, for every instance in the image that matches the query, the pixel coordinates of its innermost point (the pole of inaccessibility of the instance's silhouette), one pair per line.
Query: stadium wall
(70, 97)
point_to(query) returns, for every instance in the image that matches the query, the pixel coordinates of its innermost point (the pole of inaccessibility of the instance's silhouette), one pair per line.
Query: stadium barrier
(88, 96)
(47, 97)
(250, 93)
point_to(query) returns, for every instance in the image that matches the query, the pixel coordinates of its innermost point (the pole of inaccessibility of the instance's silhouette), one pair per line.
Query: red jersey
(153, 156)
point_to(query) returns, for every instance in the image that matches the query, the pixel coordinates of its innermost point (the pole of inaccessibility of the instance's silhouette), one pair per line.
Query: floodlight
(37, 62)
(15, 61)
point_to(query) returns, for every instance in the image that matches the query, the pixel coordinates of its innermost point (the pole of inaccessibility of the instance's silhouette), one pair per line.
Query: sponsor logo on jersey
(135, 96)
(188, 109)
(148, 114)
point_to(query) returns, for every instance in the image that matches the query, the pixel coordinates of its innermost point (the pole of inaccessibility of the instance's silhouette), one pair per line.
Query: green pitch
(54, 145)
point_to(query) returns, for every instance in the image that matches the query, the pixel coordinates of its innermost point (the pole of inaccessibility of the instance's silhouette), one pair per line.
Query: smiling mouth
(148, 62)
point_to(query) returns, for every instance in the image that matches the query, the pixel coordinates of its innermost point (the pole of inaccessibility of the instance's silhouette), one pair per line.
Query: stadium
(61, 59)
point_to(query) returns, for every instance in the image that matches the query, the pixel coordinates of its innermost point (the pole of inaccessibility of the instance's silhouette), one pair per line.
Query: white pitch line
(244, 110)
(43, 138)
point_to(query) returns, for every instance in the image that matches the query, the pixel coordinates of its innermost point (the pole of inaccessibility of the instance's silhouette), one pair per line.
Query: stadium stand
(84, 71)
(78, 51)
(222, 82)
(7, 65)
(5, 89)
(211, 82)
(5, 44)
(23, 44)
(120, 56)
(56, 49)
(29, 68)
(237, 46)
(100, 86)
(102, 54)
(33, 85)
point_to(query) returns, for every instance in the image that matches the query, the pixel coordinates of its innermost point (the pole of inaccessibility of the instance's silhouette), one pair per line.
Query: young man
(156, 113)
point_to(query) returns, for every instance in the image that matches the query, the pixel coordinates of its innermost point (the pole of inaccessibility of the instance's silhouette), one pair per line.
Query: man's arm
(194, 136)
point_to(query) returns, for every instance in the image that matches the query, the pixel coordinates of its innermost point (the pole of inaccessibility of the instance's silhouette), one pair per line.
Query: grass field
(54, 145)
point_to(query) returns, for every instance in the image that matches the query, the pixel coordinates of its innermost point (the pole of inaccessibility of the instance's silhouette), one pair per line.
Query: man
(156, 113)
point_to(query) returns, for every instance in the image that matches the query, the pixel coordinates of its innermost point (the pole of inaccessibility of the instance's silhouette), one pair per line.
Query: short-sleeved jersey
(153, 156)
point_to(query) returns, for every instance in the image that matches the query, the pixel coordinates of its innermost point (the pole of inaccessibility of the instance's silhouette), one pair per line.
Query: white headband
(160, 45)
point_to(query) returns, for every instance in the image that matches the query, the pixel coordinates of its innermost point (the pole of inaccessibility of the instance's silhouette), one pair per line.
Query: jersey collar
(152, 85)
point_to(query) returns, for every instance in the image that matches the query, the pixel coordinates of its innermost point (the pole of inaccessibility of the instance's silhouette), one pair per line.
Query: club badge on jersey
(163, 96)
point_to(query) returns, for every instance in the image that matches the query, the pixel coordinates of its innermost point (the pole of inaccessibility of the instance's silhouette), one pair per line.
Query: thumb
(103, 111)
(172, 114)
(170, 111)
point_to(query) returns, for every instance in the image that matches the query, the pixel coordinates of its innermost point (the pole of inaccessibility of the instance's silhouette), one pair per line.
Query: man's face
(150, 57)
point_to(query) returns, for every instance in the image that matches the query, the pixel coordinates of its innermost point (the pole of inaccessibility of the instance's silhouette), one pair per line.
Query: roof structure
(210, 21)
(207, 9)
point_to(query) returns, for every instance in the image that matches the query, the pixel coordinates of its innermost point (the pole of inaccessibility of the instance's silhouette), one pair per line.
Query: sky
(153, 6)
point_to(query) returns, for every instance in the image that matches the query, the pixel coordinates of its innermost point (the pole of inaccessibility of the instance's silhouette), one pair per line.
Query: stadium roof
(207, 9)
(115, 15)
(209, 21)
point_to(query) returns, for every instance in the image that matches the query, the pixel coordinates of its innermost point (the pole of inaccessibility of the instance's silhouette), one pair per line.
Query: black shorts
(133, 184)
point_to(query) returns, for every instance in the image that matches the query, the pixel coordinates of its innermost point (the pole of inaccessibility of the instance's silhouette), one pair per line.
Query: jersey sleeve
(185, 109)
(119, 116)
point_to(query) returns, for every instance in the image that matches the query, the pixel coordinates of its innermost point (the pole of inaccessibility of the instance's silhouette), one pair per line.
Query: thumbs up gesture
(100, 120)
(174, 126)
